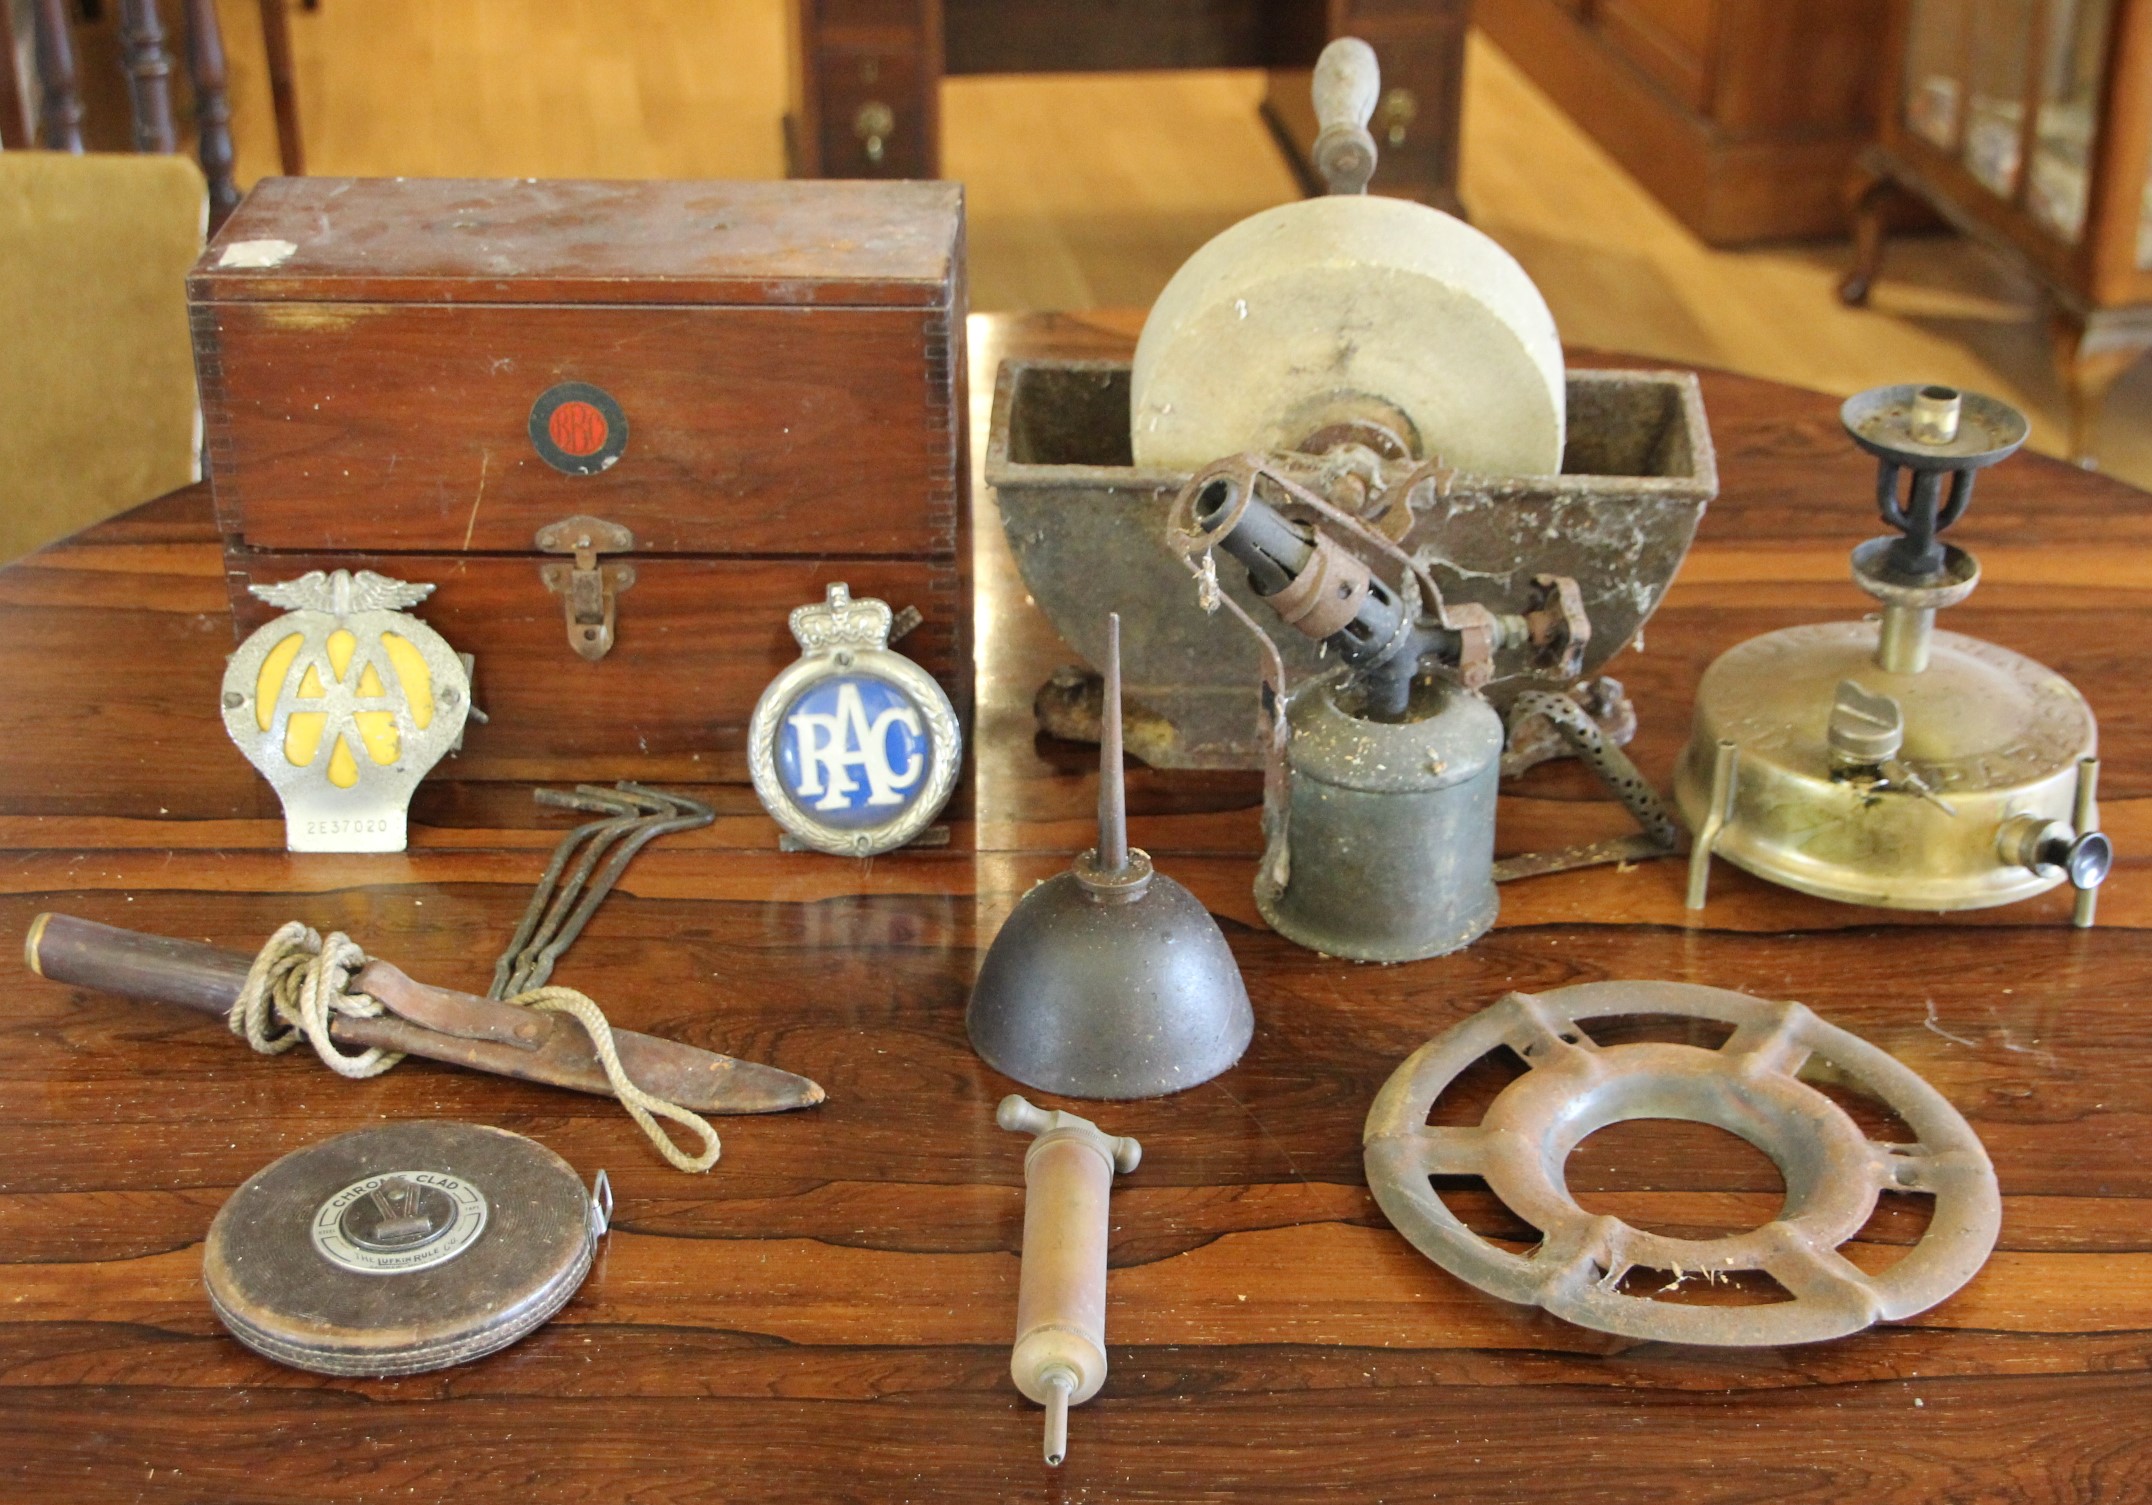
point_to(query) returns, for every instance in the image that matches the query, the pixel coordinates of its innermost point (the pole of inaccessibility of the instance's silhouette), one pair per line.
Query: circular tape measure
(400, 1249)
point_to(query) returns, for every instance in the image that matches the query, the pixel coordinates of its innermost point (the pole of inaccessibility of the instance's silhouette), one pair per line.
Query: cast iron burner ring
(1749, 1087)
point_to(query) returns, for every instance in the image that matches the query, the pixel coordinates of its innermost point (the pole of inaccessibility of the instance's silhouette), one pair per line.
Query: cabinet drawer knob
(1395, 115)
(875, 124)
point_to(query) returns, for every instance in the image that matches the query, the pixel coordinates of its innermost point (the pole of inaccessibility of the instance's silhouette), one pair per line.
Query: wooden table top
(827, 1315)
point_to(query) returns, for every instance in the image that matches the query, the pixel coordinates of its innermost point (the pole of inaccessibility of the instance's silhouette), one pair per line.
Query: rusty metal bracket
(1560, 630)
(589, 591)
(1661, 834)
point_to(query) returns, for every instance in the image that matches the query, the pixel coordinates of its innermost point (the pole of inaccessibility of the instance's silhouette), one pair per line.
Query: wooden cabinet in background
(865, 89)
(2028, 124)
(1743, 117)
(866, 74)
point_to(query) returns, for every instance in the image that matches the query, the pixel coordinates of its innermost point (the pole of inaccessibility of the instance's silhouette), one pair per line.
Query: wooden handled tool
(458, 1028)
(1347, 85)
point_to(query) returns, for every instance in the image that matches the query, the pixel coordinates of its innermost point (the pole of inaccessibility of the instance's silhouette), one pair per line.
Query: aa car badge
(344, 703)
(854, 749)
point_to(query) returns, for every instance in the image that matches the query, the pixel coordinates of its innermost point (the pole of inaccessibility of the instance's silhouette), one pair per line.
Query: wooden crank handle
(133, 965)
(1348, 81)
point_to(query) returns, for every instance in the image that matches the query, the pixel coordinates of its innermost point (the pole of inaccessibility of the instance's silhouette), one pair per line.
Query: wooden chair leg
(149, 76)
(2091, 355)
(212, 106)
(283, 86)
(59, 92)
(1872, 194)
(15, 126)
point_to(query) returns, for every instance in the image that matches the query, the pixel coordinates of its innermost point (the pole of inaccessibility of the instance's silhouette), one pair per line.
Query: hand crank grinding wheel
(400, 1249)
(1832, 1170)
(1345, 314)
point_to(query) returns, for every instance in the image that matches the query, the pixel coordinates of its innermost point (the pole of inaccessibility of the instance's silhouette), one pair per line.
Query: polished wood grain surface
(826, 1315)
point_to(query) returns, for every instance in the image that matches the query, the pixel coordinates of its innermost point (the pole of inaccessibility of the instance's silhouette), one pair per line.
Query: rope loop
(641, 1105)
(298, 983)
(301, 983)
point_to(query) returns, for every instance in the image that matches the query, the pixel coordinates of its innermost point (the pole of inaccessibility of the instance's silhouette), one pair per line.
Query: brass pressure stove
(1886, 761)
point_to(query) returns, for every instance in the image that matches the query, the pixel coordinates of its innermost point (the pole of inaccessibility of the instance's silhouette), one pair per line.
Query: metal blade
(489, 1035)
(694, 1078)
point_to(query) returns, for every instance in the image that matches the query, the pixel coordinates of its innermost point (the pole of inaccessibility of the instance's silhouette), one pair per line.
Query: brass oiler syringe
(1060, 1354)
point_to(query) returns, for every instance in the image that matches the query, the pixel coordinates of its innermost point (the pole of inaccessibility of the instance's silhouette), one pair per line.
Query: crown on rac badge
(841, 622)
(854, 749)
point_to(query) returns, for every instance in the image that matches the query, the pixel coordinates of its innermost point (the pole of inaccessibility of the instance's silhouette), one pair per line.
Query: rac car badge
(854, 749)
(344, 703)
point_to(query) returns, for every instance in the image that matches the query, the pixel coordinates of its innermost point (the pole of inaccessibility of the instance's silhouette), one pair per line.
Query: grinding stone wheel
(400, 1249)
(1345, 308)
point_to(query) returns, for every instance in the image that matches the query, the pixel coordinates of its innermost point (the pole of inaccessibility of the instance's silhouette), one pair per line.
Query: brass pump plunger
(1887, 761)
(1110, 980)
(1060, 1354)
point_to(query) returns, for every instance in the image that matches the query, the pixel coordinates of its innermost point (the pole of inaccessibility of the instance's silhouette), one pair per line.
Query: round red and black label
(578, 428)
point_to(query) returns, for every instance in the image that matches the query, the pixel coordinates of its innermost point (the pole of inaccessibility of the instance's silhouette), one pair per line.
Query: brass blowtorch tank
(1884, 761)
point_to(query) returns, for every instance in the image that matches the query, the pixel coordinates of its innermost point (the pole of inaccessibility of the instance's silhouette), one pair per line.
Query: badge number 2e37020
(854, 749)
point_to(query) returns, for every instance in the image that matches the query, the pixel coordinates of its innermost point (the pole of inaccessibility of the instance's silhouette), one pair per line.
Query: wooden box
(682, 408)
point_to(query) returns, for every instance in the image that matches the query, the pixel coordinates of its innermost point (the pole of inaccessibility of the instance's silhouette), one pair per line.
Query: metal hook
(612, 808)
(563, 905)
(676, 813)
(601, 1206)
(637, 809)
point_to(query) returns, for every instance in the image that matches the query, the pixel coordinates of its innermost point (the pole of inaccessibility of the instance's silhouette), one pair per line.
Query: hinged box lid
(530, 240)
(422, 365)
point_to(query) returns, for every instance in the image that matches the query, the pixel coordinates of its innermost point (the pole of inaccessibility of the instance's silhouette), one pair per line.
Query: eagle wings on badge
(343, 593)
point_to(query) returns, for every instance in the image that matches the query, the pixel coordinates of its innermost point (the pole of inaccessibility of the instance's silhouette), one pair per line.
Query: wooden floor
(1088, 191)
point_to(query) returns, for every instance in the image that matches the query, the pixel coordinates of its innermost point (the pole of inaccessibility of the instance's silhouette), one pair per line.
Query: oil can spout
(1111, 873)
(1112, 791)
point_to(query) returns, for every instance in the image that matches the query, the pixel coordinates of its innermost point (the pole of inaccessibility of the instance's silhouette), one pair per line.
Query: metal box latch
(589, 591)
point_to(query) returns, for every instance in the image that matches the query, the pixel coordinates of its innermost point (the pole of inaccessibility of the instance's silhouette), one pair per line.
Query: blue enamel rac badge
(855, 748)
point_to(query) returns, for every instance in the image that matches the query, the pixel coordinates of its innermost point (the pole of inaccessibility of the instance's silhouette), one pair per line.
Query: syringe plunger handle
(1060, 1355)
